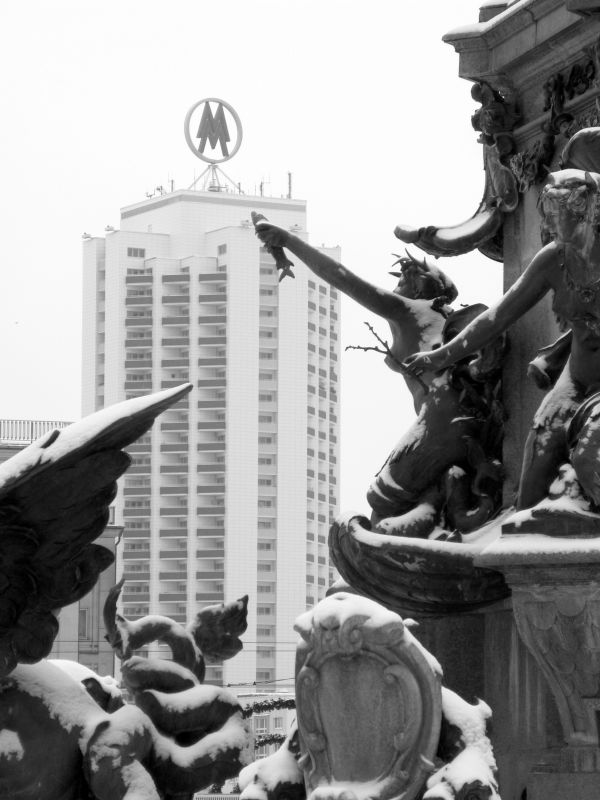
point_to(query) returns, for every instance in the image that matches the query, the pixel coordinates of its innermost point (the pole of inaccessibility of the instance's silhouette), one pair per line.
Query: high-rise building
(233, 491)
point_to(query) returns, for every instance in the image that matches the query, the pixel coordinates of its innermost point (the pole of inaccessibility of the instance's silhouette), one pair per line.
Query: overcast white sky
(360, 101)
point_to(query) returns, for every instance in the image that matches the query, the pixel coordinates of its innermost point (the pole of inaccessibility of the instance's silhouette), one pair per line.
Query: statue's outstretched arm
(380, 301)
(522, 295)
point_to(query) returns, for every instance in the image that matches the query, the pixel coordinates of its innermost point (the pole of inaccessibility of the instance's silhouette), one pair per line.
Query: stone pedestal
(556, 607)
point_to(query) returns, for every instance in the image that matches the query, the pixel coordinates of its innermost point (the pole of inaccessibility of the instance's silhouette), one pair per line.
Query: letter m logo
(213, 129)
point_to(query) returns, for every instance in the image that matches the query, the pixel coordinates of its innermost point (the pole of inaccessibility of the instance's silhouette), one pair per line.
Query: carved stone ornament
(495, 119)
(560, 625)
(368, 700)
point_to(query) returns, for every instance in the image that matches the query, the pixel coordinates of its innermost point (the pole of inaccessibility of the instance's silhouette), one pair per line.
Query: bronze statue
(445, 472)
(568, 266)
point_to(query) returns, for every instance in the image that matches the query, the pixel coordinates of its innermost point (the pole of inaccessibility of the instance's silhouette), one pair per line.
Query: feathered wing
(54, 501)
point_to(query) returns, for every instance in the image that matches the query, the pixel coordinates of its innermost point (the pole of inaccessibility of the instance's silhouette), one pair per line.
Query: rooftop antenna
(289, 194)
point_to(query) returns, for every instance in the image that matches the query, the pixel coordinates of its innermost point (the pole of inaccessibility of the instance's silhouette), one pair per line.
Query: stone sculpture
(72, 738)
(568, 267)
(373, 719)
(54, 501)
(443, 480)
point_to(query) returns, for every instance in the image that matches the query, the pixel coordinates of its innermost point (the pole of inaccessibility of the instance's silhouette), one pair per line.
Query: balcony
(176, 298)
(136, 322)
(174, 511)
(179, 490)
(136, 576)
(206, 340)
(173, 554)
(137, 533)
(178, 447)
(146, 341)
(210, 510)
(137, 490)
(130, 280)
(132, 555)
(171, 384)
(210, 404)
(179, 319)
(137, 512)
(219, 361)
(173, 533)
(217, 297)
(212, 382)
(208, 597)
(210, 446)
(218, 468)
(209, 576)
(174, 426)
(138, 386)
(175, 362)
(136, 597)
(209, 319)
(175, 469)
(212, 276)
(210, 553)
(172, 598)
(143, 300)
(172, 576)
(175, 341)
(217, 425)
(213, 488)
(219, 532)
(139, 469)
(145, 448)
(180, 277)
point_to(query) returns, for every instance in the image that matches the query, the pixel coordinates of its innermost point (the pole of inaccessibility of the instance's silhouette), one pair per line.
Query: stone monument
(485, 519)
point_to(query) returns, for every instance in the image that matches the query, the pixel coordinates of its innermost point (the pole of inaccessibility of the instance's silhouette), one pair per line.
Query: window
(265, 481)
(221, 249)
(265, 418)
(266, 354)
(84, 632)
(261, 724)
(266, 397)
(264, 566)
(266, 545)
(265, 503)
(265, 460)
(136, 252)
(266, 292)
(265, 523)
(264, 611)
(278, 723)
(265, 440)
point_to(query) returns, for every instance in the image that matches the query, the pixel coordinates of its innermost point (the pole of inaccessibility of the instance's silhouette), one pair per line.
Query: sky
(361, 102)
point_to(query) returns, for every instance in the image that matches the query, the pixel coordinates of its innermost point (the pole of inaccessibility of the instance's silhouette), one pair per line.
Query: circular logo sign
(209, 127)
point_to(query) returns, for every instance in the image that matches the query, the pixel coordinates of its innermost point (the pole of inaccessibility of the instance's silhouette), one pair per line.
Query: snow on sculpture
(374, 721)
(443, 480)
(65, 733)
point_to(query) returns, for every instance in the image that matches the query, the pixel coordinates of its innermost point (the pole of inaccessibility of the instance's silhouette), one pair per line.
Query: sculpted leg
(546, 447)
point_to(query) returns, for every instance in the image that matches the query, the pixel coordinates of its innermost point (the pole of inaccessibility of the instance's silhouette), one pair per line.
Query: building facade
(233, 491)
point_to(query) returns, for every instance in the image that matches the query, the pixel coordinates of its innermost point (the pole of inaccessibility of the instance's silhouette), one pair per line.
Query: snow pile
(263, 777)
(80, 673)
(473, 766)
(10, 745)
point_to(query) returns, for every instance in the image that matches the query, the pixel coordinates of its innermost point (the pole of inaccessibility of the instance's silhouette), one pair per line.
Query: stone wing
(54, 502)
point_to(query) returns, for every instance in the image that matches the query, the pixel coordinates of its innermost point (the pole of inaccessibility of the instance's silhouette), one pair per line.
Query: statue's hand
(428, 361)
(271, 235)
